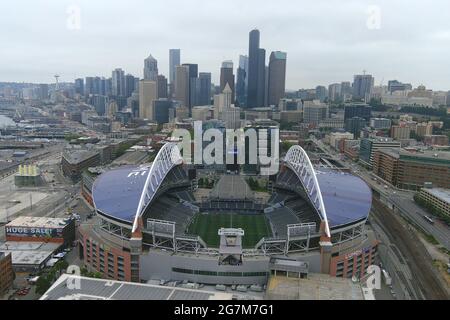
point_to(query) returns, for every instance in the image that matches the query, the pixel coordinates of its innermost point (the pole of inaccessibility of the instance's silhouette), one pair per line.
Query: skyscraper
(150, 68)
(162, 86)
(227, 77)
(182, 85)
(96, 85)
(161, 110)
(118, 82)
(358, 110)
(129, 85)
(334, 92)
(362, 86)
(314, 112)
(148, 92)
(256, 71)
(89, 85)
(43, 91)
(242, 81)
(174, 60)
(192, 83)
(261, 88)
(277, 77)
(204, 96)
(253, 68)
(266, 86)
(321, 93)
(79, 86)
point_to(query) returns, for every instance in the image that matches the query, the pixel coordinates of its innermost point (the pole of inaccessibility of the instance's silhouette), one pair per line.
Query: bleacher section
(171, 209)
(169, 206)
(302, 209)
(287, 178)
(237, 206)
(232, 187)
(185, 195)
(175, 176)
(279, 218)
(279, 196)
(288, 207)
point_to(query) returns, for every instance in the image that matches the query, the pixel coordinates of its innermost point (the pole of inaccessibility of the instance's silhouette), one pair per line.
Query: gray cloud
(326, 41)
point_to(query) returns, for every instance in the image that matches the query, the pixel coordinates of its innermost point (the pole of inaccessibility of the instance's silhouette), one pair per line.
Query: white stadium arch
(167, 158)
(297, 160)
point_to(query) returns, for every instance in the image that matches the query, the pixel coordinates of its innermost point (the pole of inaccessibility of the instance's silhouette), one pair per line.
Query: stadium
(154, 223)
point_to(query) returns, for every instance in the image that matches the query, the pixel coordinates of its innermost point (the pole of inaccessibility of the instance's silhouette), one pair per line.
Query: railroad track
(415, 253)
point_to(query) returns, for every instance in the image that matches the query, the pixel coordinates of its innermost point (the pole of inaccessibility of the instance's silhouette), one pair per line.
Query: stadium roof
(347, 198)
(116, 193)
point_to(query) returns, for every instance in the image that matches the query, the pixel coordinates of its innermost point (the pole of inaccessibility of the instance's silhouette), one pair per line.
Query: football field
(206, 226)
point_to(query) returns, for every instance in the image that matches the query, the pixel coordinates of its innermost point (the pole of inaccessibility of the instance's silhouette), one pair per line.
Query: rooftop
(75, 156)
(346, 197)
(101, 289)
(425, 154)
(315, 287)
(443, 194)
(39, 222)
(28, 253)
(280, 55)
(124, 185)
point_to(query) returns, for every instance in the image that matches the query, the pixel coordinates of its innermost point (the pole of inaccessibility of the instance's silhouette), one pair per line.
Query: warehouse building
(41, 229)
(28, 256)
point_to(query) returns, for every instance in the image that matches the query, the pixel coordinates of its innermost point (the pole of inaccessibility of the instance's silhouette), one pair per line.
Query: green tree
(42, 285)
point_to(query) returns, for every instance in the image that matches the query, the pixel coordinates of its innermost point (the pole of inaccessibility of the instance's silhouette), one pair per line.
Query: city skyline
(342, 46)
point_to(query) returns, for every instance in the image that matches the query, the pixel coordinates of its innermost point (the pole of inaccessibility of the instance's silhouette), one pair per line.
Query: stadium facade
(314, 223)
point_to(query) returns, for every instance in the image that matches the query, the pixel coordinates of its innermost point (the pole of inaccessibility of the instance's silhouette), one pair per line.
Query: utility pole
(31, 202)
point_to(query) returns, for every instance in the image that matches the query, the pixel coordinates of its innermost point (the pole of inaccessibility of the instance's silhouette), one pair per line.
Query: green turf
(206, 226)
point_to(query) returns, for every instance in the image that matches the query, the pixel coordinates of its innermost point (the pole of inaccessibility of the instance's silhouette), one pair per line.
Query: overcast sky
(326, 41)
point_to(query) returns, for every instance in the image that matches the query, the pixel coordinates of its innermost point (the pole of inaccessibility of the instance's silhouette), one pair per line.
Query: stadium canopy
(124, 193)
(340, 198)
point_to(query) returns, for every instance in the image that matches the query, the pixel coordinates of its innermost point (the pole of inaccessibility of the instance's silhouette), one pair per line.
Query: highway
(401, 199)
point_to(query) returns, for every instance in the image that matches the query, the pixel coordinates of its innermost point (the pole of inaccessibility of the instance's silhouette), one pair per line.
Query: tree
(61, 265)
(285, 145)
(42, 285)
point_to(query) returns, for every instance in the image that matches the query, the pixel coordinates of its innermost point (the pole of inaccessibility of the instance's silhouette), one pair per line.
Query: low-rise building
(380, 123)
(412, 169)
(41, 229)
(6, 272)
(368, 146)
(336, 137)
(29, 256)
(332, 123)
(400, 132)
(424, 129)
(436, 140)
(74, 161)
(439, 198)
